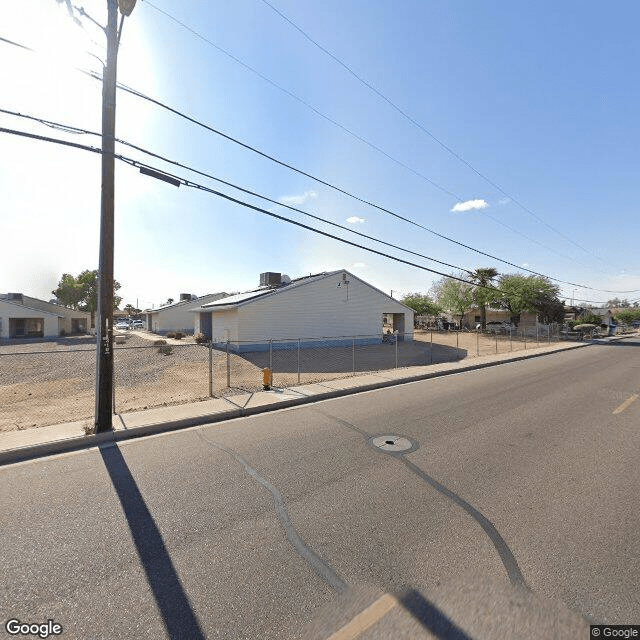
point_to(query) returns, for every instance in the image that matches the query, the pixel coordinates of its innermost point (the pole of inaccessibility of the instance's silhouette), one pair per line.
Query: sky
(509, 127)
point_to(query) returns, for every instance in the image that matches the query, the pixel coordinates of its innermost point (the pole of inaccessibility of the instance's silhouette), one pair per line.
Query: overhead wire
(371, 144)
(139, 94)
(420, 126)
(189, 183)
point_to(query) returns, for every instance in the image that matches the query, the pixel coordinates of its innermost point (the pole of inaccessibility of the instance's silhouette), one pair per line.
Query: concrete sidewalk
(16, 446)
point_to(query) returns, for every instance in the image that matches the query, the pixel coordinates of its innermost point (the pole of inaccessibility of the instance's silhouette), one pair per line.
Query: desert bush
(157, 343)
(200, 338)
(165, 350)
(171, 334)
(178, 335)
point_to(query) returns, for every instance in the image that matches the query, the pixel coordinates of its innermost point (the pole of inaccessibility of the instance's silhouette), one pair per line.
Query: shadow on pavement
(430, 617)
(173, 603)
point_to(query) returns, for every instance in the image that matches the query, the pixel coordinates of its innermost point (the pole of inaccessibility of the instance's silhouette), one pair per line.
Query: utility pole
(104, 322)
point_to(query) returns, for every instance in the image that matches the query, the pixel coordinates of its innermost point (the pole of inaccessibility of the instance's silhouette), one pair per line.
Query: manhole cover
(392, 443)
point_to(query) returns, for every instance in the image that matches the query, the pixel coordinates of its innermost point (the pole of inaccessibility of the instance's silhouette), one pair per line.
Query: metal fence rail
(49, 382)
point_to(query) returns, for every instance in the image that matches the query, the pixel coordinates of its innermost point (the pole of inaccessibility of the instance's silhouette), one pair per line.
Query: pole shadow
(430, 617)
(179, 618)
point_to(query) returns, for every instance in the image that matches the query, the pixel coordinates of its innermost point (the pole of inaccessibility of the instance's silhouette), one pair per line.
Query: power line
(380, 150)
(181, 114)
(76, 130)
(195, 185)
(427, 132)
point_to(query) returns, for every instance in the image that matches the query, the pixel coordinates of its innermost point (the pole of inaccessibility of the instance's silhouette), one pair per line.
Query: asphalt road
(513, 514)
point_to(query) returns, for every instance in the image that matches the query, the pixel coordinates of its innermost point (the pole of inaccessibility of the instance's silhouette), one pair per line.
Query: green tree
(422, 304)
(627, 316)
(517, 293)
(81, 292)
(484, 293)
(69, 292)
(453, 296)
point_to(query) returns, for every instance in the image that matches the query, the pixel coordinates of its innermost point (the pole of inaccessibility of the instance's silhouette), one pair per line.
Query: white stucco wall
(315, 309)
(180, 316)
(8, 311)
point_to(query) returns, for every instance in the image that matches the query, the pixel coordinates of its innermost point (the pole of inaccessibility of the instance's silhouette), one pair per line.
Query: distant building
(337, 307)
(23, 316)
(177, 316)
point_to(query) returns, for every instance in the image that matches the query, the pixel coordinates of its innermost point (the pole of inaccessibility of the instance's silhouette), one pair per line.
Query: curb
(22, 454)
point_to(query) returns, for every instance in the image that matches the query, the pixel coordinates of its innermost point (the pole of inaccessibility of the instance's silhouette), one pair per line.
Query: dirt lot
(47, 382)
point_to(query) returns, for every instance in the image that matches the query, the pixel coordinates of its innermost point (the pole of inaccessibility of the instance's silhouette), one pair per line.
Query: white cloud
(469, 205)
(359, 265)
(355, 220)
(300, 198)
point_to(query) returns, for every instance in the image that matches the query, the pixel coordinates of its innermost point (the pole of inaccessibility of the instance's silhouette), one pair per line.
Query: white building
(22, 316)
(337, 307)
(177, 316)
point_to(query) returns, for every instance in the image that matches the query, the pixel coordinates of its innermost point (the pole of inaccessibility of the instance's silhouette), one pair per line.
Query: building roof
(181, 303)
(24, 306)
(240, 299)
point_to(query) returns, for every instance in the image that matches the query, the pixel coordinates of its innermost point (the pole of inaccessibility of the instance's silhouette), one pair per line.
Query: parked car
(496, 326)
(122, 324)
(137, 324)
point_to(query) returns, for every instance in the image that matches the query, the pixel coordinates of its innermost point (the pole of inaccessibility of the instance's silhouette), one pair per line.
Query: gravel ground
(47, 382)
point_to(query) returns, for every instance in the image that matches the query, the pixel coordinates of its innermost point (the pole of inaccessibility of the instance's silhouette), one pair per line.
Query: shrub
(165, 350)
(178, 335)
(159, 342)
(171, 334)
(200, 338)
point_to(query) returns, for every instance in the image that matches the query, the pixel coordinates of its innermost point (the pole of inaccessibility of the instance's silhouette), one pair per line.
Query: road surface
(513, 513)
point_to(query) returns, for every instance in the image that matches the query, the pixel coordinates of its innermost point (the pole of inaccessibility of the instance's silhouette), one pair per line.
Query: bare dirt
(48, 382)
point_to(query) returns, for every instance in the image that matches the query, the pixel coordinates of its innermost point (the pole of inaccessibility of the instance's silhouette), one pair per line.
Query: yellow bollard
(266, 378)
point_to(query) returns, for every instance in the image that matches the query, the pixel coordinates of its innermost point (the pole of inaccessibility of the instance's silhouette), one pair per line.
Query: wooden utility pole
(104, 323)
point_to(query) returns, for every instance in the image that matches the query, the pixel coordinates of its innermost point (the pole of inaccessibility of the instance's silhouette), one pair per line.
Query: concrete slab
(170, 414)
(30, 437)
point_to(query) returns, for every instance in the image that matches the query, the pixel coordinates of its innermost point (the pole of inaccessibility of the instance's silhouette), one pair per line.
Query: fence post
(537, 334)
(298, 360)
(477, 342)
(271, 362)
(228, 366)
(524, 335)
(496, 342)
(397, 338)
(353, 355)
(457, 350)
(211, 368)
(510, 339)
(431, 348)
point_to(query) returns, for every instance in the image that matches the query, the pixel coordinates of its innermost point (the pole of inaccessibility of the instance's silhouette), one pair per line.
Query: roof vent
(270, 279)
(16, 297)
(285, 279)
(187, 296)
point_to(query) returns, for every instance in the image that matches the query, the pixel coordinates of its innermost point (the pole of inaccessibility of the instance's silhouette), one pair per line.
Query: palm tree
(483, 278)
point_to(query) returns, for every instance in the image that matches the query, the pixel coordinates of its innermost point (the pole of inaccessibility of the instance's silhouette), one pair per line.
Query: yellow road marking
(626, 403)
(365, 619)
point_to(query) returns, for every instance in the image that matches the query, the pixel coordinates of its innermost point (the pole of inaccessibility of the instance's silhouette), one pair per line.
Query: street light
(104, 321)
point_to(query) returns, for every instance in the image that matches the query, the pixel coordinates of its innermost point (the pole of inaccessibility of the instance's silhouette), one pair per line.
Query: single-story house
(23, 316)
(336, 308)
(472, 317)
(177, 316)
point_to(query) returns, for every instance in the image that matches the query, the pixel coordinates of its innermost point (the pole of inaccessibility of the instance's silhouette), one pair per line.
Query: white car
(122, 325)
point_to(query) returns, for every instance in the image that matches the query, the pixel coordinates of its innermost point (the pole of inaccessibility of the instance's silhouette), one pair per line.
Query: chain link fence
(48, 382)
